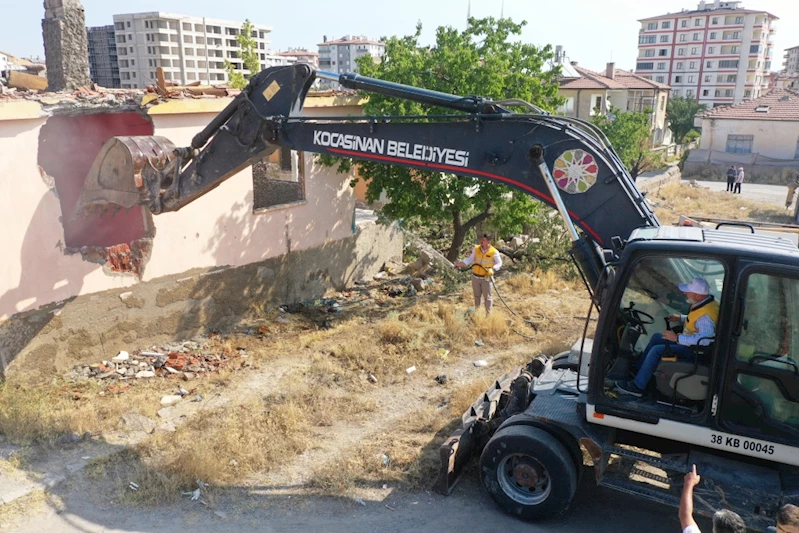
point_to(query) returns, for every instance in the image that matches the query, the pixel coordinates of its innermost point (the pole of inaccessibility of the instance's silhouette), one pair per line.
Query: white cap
(696, 285)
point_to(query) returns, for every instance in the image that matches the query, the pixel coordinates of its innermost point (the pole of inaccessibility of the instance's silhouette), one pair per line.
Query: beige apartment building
(719, 53)
(190, 49)
(791, 64)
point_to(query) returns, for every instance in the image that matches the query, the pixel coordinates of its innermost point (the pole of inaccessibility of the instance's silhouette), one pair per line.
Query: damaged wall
(94, 327)
(119, 240)
(220, 229)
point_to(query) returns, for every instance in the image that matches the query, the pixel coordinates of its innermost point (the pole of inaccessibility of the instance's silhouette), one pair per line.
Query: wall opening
(279, 179)
(120, 240)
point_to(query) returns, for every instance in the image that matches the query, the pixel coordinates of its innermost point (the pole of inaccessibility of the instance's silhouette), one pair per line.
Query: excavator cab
(650, 296)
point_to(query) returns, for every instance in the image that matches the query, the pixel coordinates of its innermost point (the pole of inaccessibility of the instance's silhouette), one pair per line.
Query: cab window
(765, 371)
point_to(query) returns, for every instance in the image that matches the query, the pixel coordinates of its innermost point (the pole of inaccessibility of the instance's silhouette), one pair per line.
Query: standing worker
(739, 180)
(731, 175)
(485, 260)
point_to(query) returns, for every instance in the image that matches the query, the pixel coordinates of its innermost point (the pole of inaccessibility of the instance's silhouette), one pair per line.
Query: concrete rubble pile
(188, 360)
(95, 94)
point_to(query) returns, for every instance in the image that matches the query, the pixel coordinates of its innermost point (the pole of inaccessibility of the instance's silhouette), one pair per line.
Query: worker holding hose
(485, 260)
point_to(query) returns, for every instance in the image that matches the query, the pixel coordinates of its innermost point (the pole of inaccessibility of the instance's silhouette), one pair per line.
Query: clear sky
(592, 32)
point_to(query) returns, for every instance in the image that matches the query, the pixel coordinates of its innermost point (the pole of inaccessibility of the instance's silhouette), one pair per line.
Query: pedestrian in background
(731, 175)
(724, 521)
(739, 180)
(485, 260)
(788, 519)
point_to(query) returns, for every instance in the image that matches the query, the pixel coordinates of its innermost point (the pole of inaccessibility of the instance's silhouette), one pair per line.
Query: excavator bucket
(478, 424)
(123, 170)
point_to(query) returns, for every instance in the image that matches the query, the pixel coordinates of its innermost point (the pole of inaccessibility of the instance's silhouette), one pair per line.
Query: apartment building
(190, 49)
(719, 53)
(339, 55)
(791, 64)
(103, 59)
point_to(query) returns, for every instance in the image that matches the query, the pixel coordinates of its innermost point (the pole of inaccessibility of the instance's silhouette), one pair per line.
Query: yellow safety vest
(483, 262)
(710, 309)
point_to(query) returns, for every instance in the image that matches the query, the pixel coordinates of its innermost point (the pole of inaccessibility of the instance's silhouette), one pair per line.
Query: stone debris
(188, 360)
(170, 399)
(480, 362)
(136, 422)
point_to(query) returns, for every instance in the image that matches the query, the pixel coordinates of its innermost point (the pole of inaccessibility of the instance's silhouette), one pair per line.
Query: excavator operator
(700, 328)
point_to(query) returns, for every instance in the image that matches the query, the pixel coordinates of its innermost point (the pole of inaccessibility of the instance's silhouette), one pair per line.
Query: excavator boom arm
(564, 162)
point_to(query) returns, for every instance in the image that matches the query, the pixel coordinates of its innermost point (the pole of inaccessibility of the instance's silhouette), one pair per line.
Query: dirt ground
(328, 416)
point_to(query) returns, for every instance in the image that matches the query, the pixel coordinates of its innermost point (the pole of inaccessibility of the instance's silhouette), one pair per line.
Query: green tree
(248, 55)
(481, 60)
(680, 113)
(630, 133)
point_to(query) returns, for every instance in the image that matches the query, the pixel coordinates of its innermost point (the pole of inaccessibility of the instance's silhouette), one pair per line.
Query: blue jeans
(654, 352)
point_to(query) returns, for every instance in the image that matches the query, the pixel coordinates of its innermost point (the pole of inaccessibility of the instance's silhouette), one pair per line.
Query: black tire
(513, 452)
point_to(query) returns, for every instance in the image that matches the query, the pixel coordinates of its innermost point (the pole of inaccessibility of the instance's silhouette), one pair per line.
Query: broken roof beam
(27, 82)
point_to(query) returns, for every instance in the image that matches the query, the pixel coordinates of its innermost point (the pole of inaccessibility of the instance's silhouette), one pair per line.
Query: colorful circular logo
(575, 171)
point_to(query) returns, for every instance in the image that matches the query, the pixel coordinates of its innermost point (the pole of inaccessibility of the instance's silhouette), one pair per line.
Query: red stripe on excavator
(454, 169)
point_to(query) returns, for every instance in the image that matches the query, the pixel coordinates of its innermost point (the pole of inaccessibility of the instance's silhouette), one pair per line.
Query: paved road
(772, 194)
(468, 509)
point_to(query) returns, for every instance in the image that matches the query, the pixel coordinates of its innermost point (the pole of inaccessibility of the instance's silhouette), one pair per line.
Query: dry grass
(327, 383)
(43, 413)
(28, 505)
(224, 446)
(494, 327)
(387, 347)
(407, 456)
(681, 199)
(524, 284)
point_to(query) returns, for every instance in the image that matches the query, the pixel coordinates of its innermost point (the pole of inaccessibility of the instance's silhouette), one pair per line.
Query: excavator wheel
(528, 473)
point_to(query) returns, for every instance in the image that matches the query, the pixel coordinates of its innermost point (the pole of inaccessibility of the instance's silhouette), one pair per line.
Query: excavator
(732, 410)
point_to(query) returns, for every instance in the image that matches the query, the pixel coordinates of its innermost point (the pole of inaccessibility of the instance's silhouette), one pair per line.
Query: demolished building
(77, 289)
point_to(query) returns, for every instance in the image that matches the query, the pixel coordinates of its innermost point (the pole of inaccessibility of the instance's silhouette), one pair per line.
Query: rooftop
(711, 9)
(19, 104)
(177, 16)
(623, 79)
(777, 104)
(351, 39)
(297, 53)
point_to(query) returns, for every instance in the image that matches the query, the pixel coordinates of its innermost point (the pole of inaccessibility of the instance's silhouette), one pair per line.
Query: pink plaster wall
(216, 230)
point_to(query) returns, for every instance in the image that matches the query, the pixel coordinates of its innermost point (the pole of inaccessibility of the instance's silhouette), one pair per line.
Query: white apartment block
(190, 49)
(719, 54)
(339, 55)
(791, 64)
